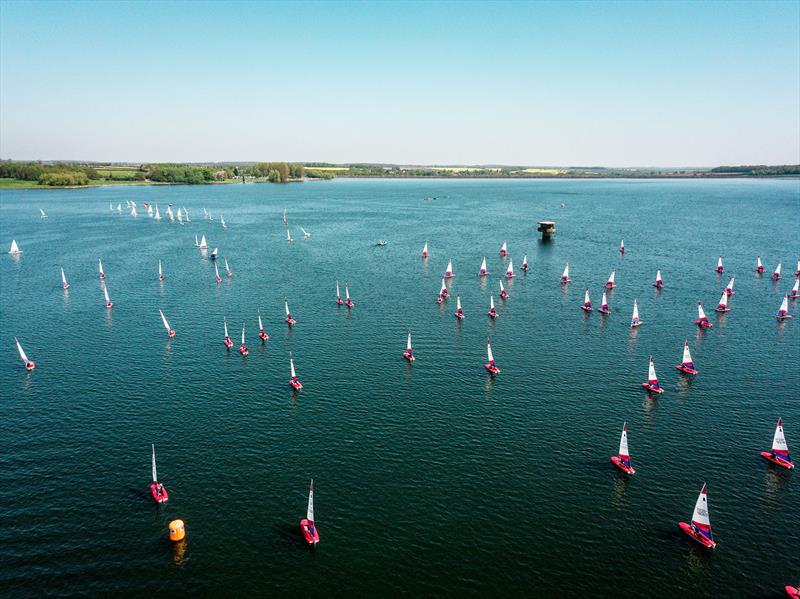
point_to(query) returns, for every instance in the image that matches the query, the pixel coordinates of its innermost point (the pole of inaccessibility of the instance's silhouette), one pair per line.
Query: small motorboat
(702, 321)
(686, 366)
(28, 363)
(409, 353)
(379, 243)
(490, 365)
(586, 306)
(779, 454)
(623, 460)
(652, 385)
(307, 526)
(294, 383)
(700, 527)
(170, 331)
(565, 275)
(157, 490)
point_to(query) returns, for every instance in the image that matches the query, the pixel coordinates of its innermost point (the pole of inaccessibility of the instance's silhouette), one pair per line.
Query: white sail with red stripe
(624, 456)
(700, 520)
(779, 446)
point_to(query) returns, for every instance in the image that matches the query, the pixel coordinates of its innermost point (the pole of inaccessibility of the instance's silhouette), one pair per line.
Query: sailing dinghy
(157, 215)
(783, 311)
(157, 490)
(719, 268)
(635, 320)
(652, 380)
(306, 234)
(700, 527)
(565, 275)
(347, 302)
(443, 293)
(729, 287)
(483, 271)
(100, 267)
(307, 527)
(160, 273)
(289, 236)
(722, 306)
(217, 278)
(109, 303)
(779, 454)
(170, 332)
(42, 212)
(492, 312)
(64, 283)
(686, 365)
(490, 365)
(504, 250)
(14, 250)
(186, 215)
(409, 353)
(659, 282)
(793, 294)
(425, 253)
(285, 221)
(338, 295)
(525, 263)
(448, 274)
(179, 215)
(586, 306)
(759, 266)
(289, 320)
(503, 292)
(214, 253)
(510, 269)
(793, 592)
(29, 364)
(170, 215)
(203, 243)
(262, 334)
(243, 347)
(294, 383)
(777, 274)
(228, 342)
(797, 270)
(228, 270)
(623, 460)
(604, 309)
(610, 283)
(459, 311)
(222, 222)
(622, 246)
(702, 321)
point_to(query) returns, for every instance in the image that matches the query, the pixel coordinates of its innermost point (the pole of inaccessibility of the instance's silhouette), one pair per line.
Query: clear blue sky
(623, 83)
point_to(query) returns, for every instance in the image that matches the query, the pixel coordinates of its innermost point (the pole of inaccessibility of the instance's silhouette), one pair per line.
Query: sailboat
(214, 253)
(29, 364)
(100, 267)
(635, 320)
(700, 527)
(42, 212)
(338, 295)
(565, 275)
(702, 321)
(652, 380)
(490, 365)
(243, 348)
(623, 460)
(719, 268)
(503, 292)
(228, 270)
(759, 266)
(285, 222)
(347, 302)
(459, 311)
(217, 278)
(504, 249)
(170, 332)
(776, 275)
(306, 234)
(425, 253)
(196, 243)
(14, 250)
(64, 283)
(149, 209)
(686, 364)
(170, 215)
(262, 334)
(203, 243)
(722, 306)
(779, 454)
(409, 353)
(797, 270)
(793, 592)
(783, 311)
(228, 342)
(586, 306)
(133, 210)
(729, 287)
(288, 236)
(442, 293)
(157, 214)
(110, 207)
(186, 215)
(492, 312)
(510, 269)
(610, 283)
(793, 294)
(448, 274)
(294, 382)
(307, 526)
(160, 273)
(659, 282)
(157, 490)
(604, 309)
(289, 320)
(525, 263)
(109, 303)
(222, 222)
(483, 271)
(119, 208)
(622, 246)
(179, 215)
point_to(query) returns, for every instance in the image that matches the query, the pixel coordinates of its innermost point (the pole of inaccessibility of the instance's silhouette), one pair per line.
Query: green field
(18, 184)
(115, 172)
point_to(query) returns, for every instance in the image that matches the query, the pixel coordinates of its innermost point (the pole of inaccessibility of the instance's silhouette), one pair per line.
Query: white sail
(288, 235)
(510, 269)
(502, 289)
(14, 248)
(449, 267)
(779, 441)
(346, 292)
(687, 356)
(658, 275)
(216, 270)
(158, 214)
(525, 260)
(310, 510)
(169, 213)
(119, 207)
(723, 301)
(491, 302)
(489, 352)
(260, 326)
(186, 215)
(285, 222)
(730, 284)
(504, 248)
(225, 324)
(635, 315)
(42, 212)
(586, 297)
(337, 289)
(603, 302)
(443, 289)
(565, 274)
(227, 268)
(242, 333)
(719, 262)
(651, 371)
(133, 210)
(784, 305)
(286, 303)
(611, 278)
(796, 286)
(155, 474)
(164, 320)
(63, 276)
(408, 342)
(150, 210)
(701, 314)
(222, 222)
(105, 294)
(179, 215)
(700, 515)
(203, 242)
(291, 365)
(110, 207)
(159, 268)
(758, 263)
(425, 249)
(458, 302)
(777, 272)
(483, 266)
(622, 244)
(623, 440)
(21, 351)
(100, 266)
(305, 233)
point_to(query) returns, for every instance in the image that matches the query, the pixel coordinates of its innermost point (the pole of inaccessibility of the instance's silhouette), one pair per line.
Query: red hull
(159, 497)
(295, 384)
(161, 278)
(685, 369)
(703, 324)
(652, 389)
(638, 323)
(459, 315)
(244, 351)
(263, 336)
(110, 305)
(783, 316)
(310, 532)
(171, 334)
(409, 356)
(349, 304)
(793, 592)
(492, 368)
(687, 528)
(30, 365)
(617, 461)
(493, 314)
(610, 286)
(604, 310)
(439, 300)
(503, 296)
(565, 281)
(658, 285)
(291, 321)
(339, 301)
(722, 309)
(587, 308)
(776, 460)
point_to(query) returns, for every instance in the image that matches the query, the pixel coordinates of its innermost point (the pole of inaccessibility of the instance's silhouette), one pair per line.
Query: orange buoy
(177, 531)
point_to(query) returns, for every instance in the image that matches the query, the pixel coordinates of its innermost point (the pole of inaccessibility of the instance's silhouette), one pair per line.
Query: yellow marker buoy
(177, 531)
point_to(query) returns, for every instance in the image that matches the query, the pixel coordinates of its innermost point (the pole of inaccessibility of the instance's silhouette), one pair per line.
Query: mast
(310, 510)
(225, 324)
(408, 342)
(155, 474)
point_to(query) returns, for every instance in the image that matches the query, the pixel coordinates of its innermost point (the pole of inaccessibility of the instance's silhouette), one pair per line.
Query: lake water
(430, 478)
